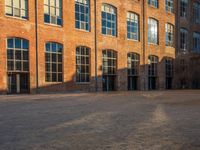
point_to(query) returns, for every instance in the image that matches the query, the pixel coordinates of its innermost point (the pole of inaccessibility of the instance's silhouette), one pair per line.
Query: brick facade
(187, 64)
(71, 37)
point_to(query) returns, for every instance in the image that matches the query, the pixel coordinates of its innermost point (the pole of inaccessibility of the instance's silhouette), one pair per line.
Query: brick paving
(166, 120)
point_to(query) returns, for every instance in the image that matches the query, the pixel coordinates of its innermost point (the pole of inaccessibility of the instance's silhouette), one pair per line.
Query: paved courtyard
(167, 120)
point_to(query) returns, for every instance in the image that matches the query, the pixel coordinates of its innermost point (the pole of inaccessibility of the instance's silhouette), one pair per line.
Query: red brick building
(72, 45)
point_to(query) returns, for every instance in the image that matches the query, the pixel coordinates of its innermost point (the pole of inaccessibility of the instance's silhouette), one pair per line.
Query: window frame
(153, 3)
(112, 21)
(153, 37)
(87, 75)
(86, 15)
(111, 62)
(133, 64)
(50, 53)
(23, 49)
(169, 32)
(133, 17)
(20, 9)
(50, 16)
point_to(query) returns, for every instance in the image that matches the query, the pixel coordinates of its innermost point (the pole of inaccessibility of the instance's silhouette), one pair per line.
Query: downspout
(36, 42)
(143, 43)
(95, 45)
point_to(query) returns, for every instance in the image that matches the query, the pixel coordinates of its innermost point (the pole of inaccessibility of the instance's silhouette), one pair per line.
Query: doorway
(18, 83)
(132, 83)
(109, 83)
(152, 83)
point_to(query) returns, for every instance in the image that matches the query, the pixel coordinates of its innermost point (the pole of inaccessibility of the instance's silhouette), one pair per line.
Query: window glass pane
(53, 58)
(17, 43)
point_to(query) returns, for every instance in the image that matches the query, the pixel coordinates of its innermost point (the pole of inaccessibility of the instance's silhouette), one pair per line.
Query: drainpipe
(95, 47)
(143, 40)
(36, 43)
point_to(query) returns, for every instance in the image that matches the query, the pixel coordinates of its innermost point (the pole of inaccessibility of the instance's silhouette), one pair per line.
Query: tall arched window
(196, 12)
(153, 71)
(152, 31)
(82, 64)
(53, 59)
(183, 8)
(183, 39)
(17, 54)
(82, 14)
(169, 34)
(18, 65)
(109, 20)
(109, 68)
(132, 26)
(133, 70)
(169, 72)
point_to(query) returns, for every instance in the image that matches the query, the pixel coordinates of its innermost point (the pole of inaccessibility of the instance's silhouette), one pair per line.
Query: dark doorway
(152, 83)
(109, 83)
(168, 83)
(18, 83)
(132, 83)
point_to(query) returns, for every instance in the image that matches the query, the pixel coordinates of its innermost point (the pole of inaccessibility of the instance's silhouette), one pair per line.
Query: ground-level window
(109, 68)
(133, 70)
(169, 72)
(82, 64)
(53, 59)
(17, 54)
(153, 72)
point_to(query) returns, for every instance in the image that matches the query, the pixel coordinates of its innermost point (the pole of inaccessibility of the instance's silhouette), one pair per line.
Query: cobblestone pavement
(166, 120)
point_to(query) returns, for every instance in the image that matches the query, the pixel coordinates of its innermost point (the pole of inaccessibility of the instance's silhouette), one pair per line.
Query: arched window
(17, 54)
(133, 70)
(133, 64)
(109, 62)
(153, 72)
(152, 31)
(183, 8)
(53, 59)
(53, 12)
(82, 64)
(183, 38)
(132, 26)
(82, 14)
(109, 20)
(169, 72)
(109, 68)
(169, 33)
